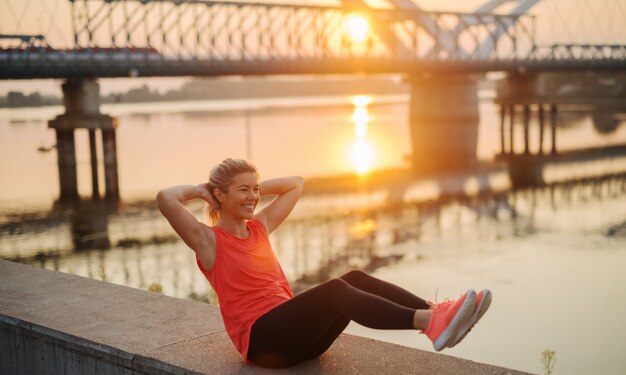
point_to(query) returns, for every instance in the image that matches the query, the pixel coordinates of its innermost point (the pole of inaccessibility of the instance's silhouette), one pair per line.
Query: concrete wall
(55, 323)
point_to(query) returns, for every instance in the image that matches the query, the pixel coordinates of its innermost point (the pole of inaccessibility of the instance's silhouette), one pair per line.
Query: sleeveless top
(248, 280)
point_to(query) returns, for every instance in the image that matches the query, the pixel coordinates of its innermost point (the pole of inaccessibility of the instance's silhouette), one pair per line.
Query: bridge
(113, 38)
(542, 43)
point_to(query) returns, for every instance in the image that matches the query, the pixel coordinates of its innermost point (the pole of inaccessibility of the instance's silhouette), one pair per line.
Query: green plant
(156, 288)
(548, 358)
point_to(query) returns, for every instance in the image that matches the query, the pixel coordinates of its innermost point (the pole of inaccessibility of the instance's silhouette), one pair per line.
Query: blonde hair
(221, 177)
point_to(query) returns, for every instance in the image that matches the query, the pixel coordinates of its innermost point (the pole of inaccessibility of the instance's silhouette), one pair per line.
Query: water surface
(553, 257)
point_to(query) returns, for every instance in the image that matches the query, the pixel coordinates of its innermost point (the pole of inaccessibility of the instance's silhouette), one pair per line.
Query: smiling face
(242, 196)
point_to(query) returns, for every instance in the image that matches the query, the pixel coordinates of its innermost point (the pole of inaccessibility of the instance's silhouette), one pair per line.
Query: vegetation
(548, 358)
(203, 89)
(155, 288)
(16, 99)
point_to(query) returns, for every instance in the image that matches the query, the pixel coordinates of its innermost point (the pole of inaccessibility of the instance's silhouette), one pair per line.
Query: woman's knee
(336, 283)
(335, 287)
(354, 276)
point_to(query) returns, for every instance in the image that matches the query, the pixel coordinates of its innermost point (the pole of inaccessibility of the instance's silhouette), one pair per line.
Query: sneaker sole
(460, 319)
(481, 309)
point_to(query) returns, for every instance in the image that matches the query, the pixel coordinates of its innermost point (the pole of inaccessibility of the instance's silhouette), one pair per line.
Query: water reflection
(605, 122)
(361, 148)
(411, 224)
(89, 225)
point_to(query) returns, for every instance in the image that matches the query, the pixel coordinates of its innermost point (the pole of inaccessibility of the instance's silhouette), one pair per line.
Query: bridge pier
(81, 99)
(509, 115)
(444, 122)
(531, 96)
(66, 160)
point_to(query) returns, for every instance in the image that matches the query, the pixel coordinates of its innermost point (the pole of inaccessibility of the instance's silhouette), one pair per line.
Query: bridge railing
(581, 52)
(192, 29)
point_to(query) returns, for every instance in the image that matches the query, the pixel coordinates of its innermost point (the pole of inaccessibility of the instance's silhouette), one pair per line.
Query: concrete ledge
(57, 323)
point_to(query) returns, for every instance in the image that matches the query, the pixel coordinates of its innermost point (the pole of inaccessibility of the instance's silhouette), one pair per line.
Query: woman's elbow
(299, 182)
(161, 198)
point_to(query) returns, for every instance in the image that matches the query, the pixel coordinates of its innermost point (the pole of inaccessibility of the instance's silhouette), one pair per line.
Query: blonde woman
(266, 323)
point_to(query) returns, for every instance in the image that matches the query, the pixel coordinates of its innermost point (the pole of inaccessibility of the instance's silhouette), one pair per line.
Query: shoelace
(438, 305)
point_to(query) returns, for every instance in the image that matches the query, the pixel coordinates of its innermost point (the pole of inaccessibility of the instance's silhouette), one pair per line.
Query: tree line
(202, 89)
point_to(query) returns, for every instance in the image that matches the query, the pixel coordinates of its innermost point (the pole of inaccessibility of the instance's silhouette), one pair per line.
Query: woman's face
(242, 196)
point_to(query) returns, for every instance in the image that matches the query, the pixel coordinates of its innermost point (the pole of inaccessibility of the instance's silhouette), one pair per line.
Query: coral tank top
(248, 280)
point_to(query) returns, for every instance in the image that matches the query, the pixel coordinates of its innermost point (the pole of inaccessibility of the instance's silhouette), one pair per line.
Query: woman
(266, 323)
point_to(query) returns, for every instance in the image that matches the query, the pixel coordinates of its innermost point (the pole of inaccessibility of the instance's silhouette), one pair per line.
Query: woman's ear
(218, 194)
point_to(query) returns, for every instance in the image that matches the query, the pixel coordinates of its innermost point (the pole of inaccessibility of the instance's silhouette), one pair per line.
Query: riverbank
(59, 323)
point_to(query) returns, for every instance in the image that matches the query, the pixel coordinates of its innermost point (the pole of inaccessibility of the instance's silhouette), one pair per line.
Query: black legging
(307, 325)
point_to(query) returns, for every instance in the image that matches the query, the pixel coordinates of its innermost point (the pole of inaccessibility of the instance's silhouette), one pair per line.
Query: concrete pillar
(66, 161)
(526, 130)
(109, 147)
(444, 122)
(81, 96)
(502, 135)
(81, 99)
(553, 117)
(94, 163)
(512, 130)
(517, 90)
(541, 128)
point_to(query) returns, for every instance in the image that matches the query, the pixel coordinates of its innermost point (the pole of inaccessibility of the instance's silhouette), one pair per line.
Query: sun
(361, 100)
(358, 28)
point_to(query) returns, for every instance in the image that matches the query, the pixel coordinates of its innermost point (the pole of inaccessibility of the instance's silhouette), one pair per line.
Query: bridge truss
(113, 38)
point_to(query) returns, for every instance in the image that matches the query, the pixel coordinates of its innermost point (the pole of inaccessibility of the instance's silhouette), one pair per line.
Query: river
(553, 257)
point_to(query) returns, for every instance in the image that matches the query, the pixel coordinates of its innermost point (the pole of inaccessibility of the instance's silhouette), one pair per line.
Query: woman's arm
(288, 190)
(196, 235)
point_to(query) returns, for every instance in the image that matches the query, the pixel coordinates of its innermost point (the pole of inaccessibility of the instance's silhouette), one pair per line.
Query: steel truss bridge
(121, 38)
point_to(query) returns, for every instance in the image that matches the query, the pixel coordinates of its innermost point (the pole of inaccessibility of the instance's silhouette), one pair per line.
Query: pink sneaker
(483, 301)
(448, 318)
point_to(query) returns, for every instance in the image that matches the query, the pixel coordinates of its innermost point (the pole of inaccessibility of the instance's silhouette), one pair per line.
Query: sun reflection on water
(361, 148)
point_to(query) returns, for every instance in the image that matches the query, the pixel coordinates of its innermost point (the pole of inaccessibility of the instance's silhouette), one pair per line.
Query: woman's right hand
(206, 195)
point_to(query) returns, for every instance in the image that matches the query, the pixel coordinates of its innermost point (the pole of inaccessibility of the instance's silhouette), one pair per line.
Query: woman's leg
(304, 325)
(392, 292)
(367, 283)
(327, 338)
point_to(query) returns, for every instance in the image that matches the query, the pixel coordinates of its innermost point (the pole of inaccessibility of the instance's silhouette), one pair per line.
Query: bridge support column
(444, 122)
(528, 94)
(81, 98)
(93, 152)
(109, 147)
(66, 161)
(553, 127)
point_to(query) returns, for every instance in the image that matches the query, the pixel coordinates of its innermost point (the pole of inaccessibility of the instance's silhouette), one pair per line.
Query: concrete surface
(57, 323)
